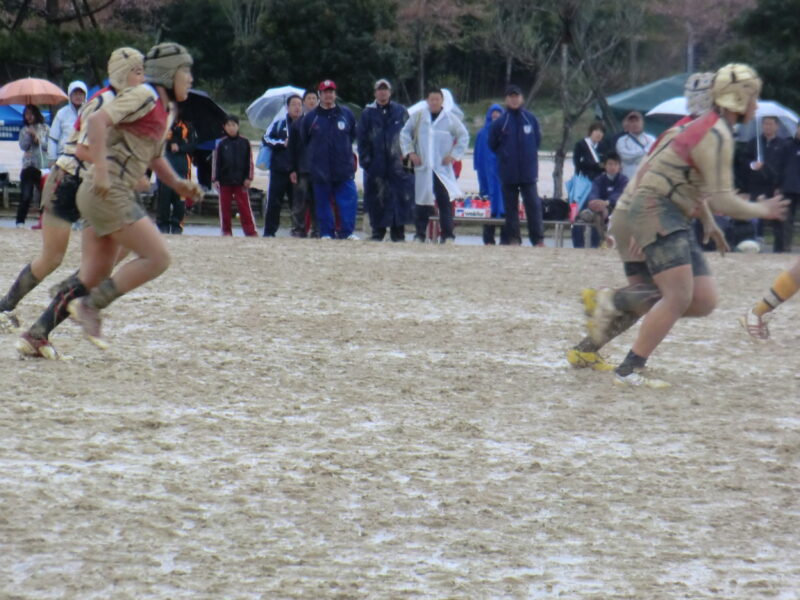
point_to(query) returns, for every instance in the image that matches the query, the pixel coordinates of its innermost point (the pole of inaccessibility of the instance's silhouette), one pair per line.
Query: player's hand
(610, 242)
(143, 185)
(188, 189)
(711, 232)
(777, 207)
(635, 251)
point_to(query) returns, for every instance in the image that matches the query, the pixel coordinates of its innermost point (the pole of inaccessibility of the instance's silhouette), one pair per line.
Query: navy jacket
(791, 173)
(297, 148)
(515, 137)
(605, 188)
(329, 135)
(379, 139)
(277, 138)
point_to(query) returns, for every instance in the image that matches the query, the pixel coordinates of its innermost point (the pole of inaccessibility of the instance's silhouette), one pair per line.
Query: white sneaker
(639, 380)
(20, 225)
(755, 326)
(353, 236)
(326, 237)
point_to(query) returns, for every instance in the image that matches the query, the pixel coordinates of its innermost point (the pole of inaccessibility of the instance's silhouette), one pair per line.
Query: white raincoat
(432, 141)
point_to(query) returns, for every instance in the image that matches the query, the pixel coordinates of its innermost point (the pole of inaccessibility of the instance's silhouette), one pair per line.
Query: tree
(703, 20)
(431, 24)
(766, 38)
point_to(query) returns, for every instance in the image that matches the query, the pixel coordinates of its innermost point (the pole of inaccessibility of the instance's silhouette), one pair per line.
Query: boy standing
(231, 174)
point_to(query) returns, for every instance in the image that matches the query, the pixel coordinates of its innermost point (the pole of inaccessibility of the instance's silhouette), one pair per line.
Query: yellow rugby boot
(591, 360)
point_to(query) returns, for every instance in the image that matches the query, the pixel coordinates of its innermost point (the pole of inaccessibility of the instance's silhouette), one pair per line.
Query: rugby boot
(36, 347)
(89, 319)
(591, 360)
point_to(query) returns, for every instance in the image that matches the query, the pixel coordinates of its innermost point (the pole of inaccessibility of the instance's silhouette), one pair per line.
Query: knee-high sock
(783, 288)
(104, 294)
(619, 325)
(24, 283)
(57, 311)
(637, 298)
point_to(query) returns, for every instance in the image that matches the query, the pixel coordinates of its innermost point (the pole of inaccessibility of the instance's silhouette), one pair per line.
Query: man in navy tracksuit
(514, 137)
(329, 132)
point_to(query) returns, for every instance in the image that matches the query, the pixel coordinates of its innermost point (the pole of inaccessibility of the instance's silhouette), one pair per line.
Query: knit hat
(121, 62)
(163, 60)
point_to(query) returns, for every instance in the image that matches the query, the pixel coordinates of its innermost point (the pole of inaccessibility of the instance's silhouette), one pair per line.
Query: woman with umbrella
(33, 142)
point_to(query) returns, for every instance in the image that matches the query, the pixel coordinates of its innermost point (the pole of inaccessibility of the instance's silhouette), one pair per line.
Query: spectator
(280, 167)
(232, 173)
(64, 123)
(329, 131)
(433, 139)
(634, 145)
(170, 207)
(790, 186)
(485, 163)
(606, 190)
(766, 156)
(388, 188)
(32, 140)
(515, 138)
(303, 210)
(587, 156)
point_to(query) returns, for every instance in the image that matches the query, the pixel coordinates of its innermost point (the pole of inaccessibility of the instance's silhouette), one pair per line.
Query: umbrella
(449, 105)
(674, 107)
(206, 116)
(32, 91)
(263, 110)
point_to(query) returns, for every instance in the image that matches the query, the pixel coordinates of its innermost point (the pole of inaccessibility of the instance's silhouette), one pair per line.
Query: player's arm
(97, 134)
(167, 175)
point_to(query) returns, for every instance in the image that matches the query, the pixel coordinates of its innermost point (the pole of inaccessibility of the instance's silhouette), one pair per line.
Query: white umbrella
(263, 110)
(674, 107)
(449, 105)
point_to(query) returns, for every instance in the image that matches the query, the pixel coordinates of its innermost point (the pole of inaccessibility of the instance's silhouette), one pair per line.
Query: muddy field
(292, 419)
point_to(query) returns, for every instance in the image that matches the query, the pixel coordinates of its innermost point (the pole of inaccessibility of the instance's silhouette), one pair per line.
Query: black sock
(57, 311)
(631, 363)
(24, 283)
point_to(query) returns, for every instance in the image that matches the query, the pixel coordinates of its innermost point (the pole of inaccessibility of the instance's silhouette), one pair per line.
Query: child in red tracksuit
(232, 172)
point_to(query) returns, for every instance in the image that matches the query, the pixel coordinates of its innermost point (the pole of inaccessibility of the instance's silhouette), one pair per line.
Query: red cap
(328, 84)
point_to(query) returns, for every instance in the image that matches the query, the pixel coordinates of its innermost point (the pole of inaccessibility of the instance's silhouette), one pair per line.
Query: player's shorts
(58, 199)
(675, 250)
(106, 215)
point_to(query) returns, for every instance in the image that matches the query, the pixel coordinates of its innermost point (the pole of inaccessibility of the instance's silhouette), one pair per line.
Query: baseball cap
(513, 90)
(328, 84)
(634, 115)
(383, 83)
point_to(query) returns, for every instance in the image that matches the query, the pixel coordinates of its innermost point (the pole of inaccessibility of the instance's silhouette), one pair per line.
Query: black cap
(513, 90)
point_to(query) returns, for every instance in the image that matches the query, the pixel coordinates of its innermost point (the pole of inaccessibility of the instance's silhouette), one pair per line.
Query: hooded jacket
(485, 163)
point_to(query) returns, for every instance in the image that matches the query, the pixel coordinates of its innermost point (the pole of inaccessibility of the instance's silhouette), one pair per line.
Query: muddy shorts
(106, 215)
(675, 250)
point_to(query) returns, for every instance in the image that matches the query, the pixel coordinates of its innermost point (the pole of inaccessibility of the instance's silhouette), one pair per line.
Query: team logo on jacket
(527, 129)
(342, 125)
